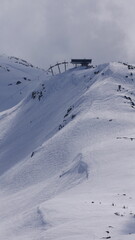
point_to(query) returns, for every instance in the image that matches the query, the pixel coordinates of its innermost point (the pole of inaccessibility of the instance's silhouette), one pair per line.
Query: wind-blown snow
(67, 147)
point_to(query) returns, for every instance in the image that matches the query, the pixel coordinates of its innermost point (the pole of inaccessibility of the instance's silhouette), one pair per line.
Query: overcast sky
(46, 31)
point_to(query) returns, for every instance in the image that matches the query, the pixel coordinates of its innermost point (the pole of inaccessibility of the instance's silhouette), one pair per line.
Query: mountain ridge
(64, 143)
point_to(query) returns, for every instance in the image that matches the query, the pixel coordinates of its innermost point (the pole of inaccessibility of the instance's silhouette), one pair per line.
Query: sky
(44, 32)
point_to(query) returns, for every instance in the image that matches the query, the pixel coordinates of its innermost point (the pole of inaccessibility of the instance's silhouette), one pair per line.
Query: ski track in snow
(67, 147)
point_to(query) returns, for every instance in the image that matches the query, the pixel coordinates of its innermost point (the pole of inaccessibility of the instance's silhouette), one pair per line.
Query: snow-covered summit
(67, 152)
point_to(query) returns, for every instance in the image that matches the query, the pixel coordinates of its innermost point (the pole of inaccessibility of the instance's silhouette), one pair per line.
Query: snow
(67, 147)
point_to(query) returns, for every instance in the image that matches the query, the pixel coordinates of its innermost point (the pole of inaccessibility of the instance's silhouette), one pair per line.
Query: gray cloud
(46, 31)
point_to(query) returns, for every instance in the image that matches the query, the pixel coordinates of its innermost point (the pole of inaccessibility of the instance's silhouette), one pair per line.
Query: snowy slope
(67, 147)
(17, 78)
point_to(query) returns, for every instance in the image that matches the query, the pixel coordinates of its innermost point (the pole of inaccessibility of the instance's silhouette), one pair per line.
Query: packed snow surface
(67, 152)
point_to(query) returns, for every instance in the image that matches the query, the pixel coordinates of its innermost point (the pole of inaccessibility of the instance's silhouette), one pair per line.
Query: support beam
(51, 68)
(58, 64)
(65, 65)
